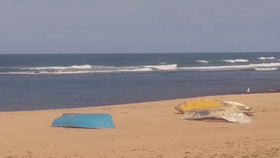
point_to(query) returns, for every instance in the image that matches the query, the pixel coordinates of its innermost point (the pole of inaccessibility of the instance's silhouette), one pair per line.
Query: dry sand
(149, 129)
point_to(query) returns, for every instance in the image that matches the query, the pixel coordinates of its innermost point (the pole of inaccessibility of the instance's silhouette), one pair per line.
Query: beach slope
(148, 129)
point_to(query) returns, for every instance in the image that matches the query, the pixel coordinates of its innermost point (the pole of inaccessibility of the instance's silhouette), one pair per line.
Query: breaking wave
(84, 69)
(266, 58)
(234, 67)
(202, 61)
(237, 61)
(266, 69)
(87, 69)
(59, 67)
(162, 67)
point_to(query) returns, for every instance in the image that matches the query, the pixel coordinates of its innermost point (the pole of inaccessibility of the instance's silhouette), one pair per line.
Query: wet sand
(147, 130)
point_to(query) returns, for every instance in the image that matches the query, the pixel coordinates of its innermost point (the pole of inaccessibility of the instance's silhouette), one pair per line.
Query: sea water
(52, 81)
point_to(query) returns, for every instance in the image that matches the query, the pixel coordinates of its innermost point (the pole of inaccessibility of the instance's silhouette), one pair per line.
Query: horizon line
(52, 53)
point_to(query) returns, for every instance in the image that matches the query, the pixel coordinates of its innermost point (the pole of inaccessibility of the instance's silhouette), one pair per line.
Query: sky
(139, 26)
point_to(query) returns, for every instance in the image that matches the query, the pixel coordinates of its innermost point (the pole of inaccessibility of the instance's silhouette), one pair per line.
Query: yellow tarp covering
(198, 104)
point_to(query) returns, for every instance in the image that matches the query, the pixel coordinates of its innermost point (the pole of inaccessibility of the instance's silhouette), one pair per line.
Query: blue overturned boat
(84, 121)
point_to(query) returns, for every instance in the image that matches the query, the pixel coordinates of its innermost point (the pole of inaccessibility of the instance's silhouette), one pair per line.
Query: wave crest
(59, 67)
(87, 69)
(236, 61)
(266, 69)
(162, 67)
(84, 69)
(233, 67)
(202, 61)
(266, 58)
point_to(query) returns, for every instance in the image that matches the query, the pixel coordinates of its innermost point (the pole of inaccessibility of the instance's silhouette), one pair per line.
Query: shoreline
(207, 96)
(147, 129)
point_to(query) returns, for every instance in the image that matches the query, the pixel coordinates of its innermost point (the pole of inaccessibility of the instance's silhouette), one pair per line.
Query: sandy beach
(147, 130)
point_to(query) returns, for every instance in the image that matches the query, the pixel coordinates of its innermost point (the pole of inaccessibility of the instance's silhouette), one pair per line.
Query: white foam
(112, 69)
(233, 67)
(45, 68)
(202, 61)
(266, 69)
(16, 73)
(59, 67)
(162, 67)
(80, 66)
(266, 65)
(266, 58)
(143, 69)
(44, 72)
(237, 61)
(86, 69)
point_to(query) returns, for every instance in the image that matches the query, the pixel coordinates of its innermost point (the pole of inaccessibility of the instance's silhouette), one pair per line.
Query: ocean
(55, 81)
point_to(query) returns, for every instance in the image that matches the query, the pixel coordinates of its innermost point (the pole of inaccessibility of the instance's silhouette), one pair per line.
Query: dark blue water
(33, 82)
